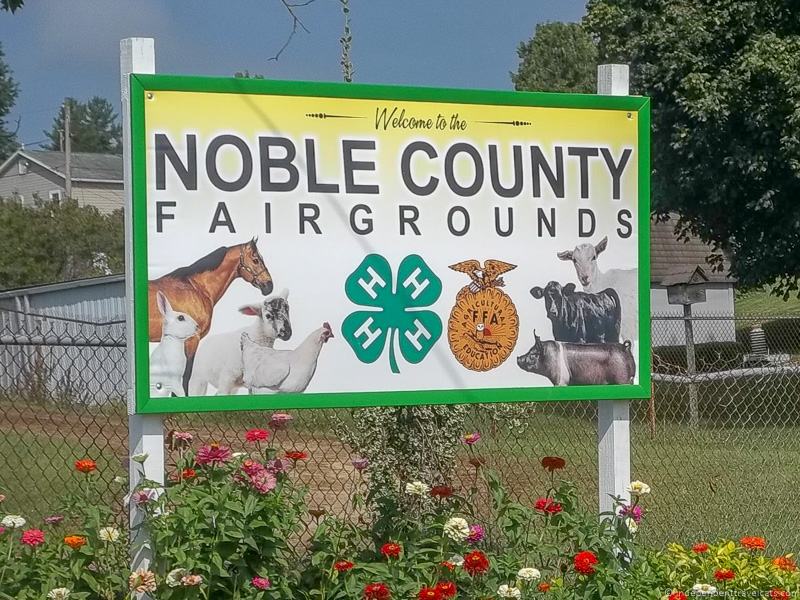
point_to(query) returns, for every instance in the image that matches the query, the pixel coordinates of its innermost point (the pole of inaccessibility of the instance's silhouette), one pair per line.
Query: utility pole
(67, 151)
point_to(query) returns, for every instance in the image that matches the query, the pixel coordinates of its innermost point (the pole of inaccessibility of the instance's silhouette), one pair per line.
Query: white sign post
(145, 432)
(613, 416)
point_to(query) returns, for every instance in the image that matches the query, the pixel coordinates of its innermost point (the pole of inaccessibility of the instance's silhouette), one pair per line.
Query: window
(22, 166)
(55, 196)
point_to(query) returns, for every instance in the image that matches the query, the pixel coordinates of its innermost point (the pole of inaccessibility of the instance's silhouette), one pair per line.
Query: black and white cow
(579, 364)
(581, 317)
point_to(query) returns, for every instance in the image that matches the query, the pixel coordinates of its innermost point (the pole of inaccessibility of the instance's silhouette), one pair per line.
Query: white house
(96, 178)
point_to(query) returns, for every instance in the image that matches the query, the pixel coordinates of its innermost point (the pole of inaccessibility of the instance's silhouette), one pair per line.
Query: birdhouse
(688, 287)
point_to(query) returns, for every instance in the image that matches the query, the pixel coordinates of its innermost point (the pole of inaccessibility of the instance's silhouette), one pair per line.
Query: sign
(327, 245)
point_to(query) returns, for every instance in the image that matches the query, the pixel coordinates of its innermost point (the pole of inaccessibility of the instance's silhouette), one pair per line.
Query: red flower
(476, 563)
(441, 491)
(186, 474)
(724, 574)
(753, 543)
(391, 550)
(780, 594)
(296, 455)
(429, 593)
(584, 562)
(448, 565)
(548, 506)
(700, 548)
(343, 566)
(447, 589)
(543, 587)
(377, 591)
(256, 435)
(553, 463)
(85, 465)
(784, 563)
(32, 537)
(677, 596)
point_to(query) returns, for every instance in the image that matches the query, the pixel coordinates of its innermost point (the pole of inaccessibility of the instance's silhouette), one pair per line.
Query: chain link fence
(718, 441)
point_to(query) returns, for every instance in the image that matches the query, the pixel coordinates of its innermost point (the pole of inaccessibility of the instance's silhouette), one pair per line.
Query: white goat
(168, 360)
(622, 281)
(284, 371)
(219, 357)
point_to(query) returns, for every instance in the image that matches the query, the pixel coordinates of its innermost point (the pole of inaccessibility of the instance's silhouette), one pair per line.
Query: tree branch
(296, 23)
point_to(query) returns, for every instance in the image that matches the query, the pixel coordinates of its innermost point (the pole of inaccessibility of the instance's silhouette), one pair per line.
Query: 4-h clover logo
(392, 312)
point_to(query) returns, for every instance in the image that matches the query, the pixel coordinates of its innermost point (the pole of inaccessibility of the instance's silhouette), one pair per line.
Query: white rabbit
(168, 360)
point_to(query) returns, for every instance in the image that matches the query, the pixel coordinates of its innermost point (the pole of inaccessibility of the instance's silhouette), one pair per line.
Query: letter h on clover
(392, 314)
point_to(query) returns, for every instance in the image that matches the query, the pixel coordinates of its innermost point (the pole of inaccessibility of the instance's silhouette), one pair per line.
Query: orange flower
(700, 548)
(543, 587)
(784, 563)
(753, 543)
(724, 574)
(75, 541)
(85, 465)
(779, 594)
(296, 455)
(553, 463)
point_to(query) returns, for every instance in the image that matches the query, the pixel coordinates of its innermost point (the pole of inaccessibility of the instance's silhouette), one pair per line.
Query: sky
(70, 48)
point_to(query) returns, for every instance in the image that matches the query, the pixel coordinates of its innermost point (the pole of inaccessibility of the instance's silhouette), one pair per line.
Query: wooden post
(145, 432)
(68, 149)
(691, 366)
(613, 416)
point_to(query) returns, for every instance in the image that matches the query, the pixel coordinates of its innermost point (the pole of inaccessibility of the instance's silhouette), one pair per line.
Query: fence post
(145, 432)
(691, 366)
(613, 416)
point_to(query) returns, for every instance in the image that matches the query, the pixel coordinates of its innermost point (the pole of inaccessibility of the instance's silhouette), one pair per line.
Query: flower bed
(228, 525)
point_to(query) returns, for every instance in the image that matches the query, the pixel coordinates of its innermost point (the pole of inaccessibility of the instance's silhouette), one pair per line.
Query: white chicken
(283, 371)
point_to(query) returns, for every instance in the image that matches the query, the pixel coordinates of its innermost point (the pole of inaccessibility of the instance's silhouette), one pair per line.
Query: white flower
(417, 488)
(13, 521)
(174, 577)
(457, 529)
(704, 589)
(140, 458)
(236, 455)
(633, 526)
(108, 534)
(529, 574)
(58, 594)
(505, 591)
(456, 560)
(637, 488)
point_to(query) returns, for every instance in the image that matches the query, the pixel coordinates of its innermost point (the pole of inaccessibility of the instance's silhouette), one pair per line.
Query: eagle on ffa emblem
(483, 326)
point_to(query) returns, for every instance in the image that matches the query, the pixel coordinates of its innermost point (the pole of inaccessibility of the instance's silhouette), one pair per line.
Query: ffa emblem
(484, 325)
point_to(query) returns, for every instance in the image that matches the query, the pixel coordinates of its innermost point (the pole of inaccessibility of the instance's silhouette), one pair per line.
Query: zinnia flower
(677, 596)
(179, 439)
(256, 435)
(634, 512)
(191, 580)
(506, 591)
(279, 421)
(553, 463)
(377, 591)
(780, 594)
(470, 439)
(58, 594)
(700, 548)
(753, 543)
(476, 563)
(457, 529)
(142, 581)
(584, 562)
(296, 455)
(543, 587)
(2, 530)
(343, 566)
(142, 497)
(456, 560)
(784, 563)
(360, 464)
(441, 491)
(32, 537)
(175, 576)
(417, 488)
(263, 481)
(703, 589)
(260, 583)
(429, 593)
(637, 488)
(529, 574)
(276, 465)
(85, 465)
(724, 574)
(108, 534)
(13, 522)
(548, 506)
(75, 541)
(476, 534)
(53, 519)
(213, 455)
(391, 550)
(447, 589)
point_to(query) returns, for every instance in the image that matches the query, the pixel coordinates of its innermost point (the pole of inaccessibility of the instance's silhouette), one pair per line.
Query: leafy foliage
(58, 242)
(94, 127)
(8, 96)
(726, 125)
(11, 5)
(560, 57)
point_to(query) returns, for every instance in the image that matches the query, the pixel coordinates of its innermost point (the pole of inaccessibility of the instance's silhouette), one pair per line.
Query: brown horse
(196, 289)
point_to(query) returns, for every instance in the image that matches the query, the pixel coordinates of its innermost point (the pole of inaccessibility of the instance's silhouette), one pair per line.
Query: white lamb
(168, 360)
(219, 357)
(622, 281)
(285, 371)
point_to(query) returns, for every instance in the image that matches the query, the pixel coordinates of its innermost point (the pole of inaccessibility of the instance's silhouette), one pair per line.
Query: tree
(723, 79)
(560, 57)
(8, 96)
(11, 5)
(94, 127)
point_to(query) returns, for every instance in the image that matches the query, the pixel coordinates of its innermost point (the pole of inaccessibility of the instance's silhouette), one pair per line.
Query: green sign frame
(141, 85)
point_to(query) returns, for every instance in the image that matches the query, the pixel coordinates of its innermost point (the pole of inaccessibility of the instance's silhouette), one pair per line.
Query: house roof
(86, 166)
(673, 260)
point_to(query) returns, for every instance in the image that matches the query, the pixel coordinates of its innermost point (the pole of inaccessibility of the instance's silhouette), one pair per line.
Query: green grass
(761, 302)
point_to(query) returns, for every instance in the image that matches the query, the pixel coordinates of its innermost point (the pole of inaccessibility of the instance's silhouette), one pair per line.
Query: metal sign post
(145, 432)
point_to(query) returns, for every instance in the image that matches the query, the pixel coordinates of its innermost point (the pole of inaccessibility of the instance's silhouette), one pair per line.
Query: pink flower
(2, 530)
(260, 583)
(53, 519)
(634, 512)
(32, 537)
(279, 421)
(142, 497)
(213, 454)
(252, 467)
(470, 439)
(276, 465)
(360, 464)
(476, 534)
(182, 436)
(263, 482)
